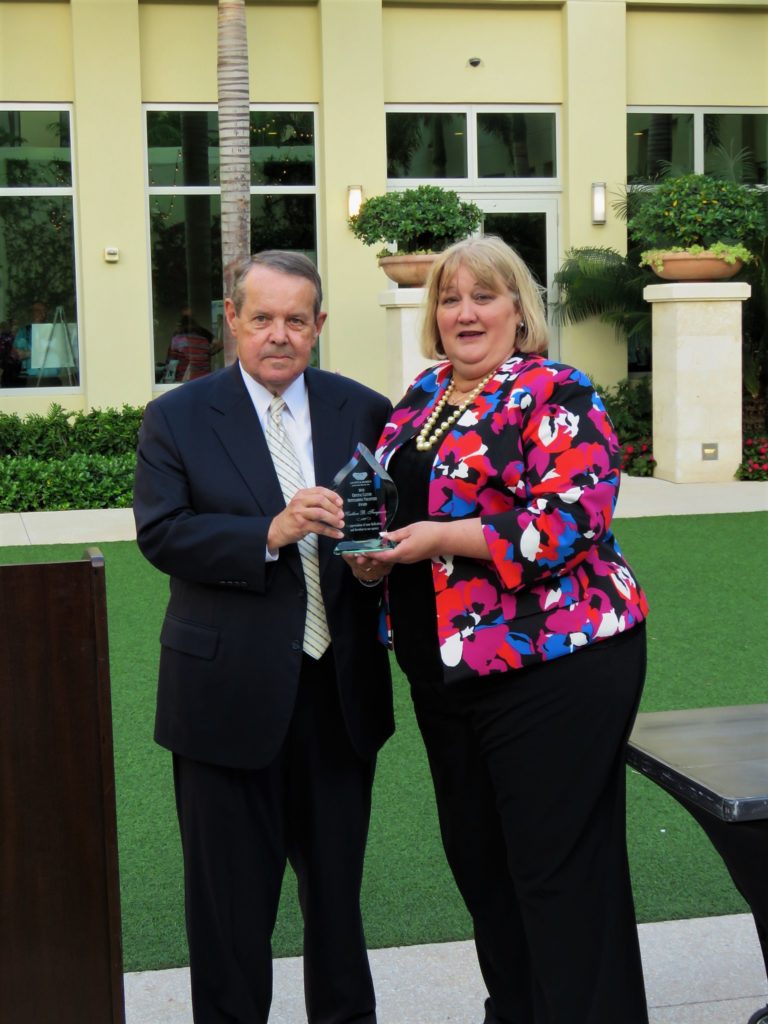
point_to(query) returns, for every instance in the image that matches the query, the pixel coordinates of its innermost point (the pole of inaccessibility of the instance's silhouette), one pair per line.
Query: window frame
(472, 182)
(48, 191)
(698, 113)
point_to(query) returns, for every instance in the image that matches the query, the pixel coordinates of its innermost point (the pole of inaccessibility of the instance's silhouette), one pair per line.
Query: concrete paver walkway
(704, 971)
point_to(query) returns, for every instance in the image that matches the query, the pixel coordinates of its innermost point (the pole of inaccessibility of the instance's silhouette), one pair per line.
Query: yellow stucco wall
(35, 52)
(426, 54)
(701, 58)
(178, 53)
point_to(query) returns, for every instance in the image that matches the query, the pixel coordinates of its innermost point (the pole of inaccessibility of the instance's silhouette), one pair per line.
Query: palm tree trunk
(234, 149)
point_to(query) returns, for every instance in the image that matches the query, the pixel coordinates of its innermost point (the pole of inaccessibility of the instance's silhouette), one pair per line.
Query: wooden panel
(60, 946)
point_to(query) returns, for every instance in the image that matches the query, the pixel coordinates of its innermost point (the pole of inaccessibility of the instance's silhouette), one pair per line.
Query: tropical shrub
(697, 210)
(423, 219)
(629, 406)
(58, 433)
(599, 281)
(77, 482)
(637, 457)
(68, 460)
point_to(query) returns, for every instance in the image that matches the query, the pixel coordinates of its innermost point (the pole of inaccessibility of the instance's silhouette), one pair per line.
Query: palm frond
(600, 282)
(732, 164)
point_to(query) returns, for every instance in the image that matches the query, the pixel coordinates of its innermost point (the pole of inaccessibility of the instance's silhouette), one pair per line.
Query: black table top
(715, 757)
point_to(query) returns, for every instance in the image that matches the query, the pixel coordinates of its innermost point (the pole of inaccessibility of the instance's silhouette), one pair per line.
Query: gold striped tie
(288, 469)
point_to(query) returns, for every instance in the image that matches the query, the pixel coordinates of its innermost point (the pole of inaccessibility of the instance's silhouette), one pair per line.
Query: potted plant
(412, 227)
(696, 227)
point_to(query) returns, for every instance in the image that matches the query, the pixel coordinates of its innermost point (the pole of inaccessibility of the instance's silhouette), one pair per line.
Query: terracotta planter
(700, 266)
(408, 271)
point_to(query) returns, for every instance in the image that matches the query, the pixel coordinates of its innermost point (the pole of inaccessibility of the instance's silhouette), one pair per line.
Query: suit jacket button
(295, 646)
(302, 594)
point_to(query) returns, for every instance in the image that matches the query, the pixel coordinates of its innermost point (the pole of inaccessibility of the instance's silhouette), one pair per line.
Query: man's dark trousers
(311, 806)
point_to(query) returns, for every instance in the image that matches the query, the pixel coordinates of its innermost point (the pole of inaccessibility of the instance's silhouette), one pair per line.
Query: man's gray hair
(282, 261)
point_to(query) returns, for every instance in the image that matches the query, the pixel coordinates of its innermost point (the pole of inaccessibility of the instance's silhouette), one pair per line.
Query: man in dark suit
(274, 693)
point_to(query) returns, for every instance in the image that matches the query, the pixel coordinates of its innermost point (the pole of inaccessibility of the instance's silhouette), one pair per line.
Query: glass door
(529, 225)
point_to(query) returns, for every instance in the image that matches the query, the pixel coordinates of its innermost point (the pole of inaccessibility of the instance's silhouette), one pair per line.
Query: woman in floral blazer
(520, 627)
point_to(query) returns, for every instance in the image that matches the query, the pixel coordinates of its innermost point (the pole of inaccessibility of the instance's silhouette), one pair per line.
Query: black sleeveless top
(411, 593)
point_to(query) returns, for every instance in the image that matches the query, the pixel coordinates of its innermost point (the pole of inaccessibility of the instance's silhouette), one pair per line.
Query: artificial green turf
(706, 581)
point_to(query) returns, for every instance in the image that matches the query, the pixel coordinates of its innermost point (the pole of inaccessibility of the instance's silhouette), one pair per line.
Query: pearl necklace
(427, 437)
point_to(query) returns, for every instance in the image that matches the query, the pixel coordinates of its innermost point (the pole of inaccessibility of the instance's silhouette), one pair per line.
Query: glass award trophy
(370, 503)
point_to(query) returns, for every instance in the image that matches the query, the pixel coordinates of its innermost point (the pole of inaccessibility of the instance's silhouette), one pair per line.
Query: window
(519, 145)
(658, 143)
(728, 143)
(185, 222)
(426, 145)
(738, 140)
(473, 145)
(38, 300)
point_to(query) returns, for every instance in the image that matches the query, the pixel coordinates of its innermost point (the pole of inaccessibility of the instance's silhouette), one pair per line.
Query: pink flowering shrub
(637, 457)
(754, 459)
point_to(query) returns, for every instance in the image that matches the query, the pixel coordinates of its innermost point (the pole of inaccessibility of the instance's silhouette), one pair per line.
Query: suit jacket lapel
(332, 440)
(234, 420)
(237, 425)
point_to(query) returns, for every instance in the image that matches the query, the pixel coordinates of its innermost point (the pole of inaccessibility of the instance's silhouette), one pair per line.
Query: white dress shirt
(295, 420)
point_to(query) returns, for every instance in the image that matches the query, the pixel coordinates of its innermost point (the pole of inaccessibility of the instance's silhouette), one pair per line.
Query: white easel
(58, 344)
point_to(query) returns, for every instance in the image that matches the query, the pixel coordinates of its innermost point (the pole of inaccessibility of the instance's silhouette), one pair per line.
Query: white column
(697, 380)
(403, 318)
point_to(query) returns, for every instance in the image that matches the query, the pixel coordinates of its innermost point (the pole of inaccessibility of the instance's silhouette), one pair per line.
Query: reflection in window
(659, 144)
(186, 284)
(186, 272)
(283, 222)
(183, 147)
(282, 147)
(39, 321)
(516, 145)
(426, 145)
(38, 304)
(183, 152)
(34, 149)
(736, 147)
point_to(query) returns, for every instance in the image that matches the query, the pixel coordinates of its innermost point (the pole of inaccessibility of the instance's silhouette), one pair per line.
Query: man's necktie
(288, 469)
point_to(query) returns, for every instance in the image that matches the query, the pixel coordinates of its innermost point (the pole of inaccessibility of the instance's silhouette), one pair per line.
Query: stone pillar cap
(698, 291)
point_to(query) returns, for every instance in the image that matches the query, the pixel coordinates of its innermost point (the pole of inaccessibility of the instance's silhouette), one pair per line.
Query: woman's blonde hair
(493, 264)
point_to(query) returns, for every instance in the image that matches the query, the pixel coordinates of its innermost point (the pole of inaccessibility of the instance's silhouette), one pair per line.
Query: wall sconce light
(354, 199)
(598, 202)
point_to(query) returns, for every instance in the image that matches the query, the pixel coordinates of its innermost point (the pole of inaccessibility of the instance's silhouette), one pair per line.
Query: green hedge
(58, 433)
(68, 460)
(79, 481)
(77, 460)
